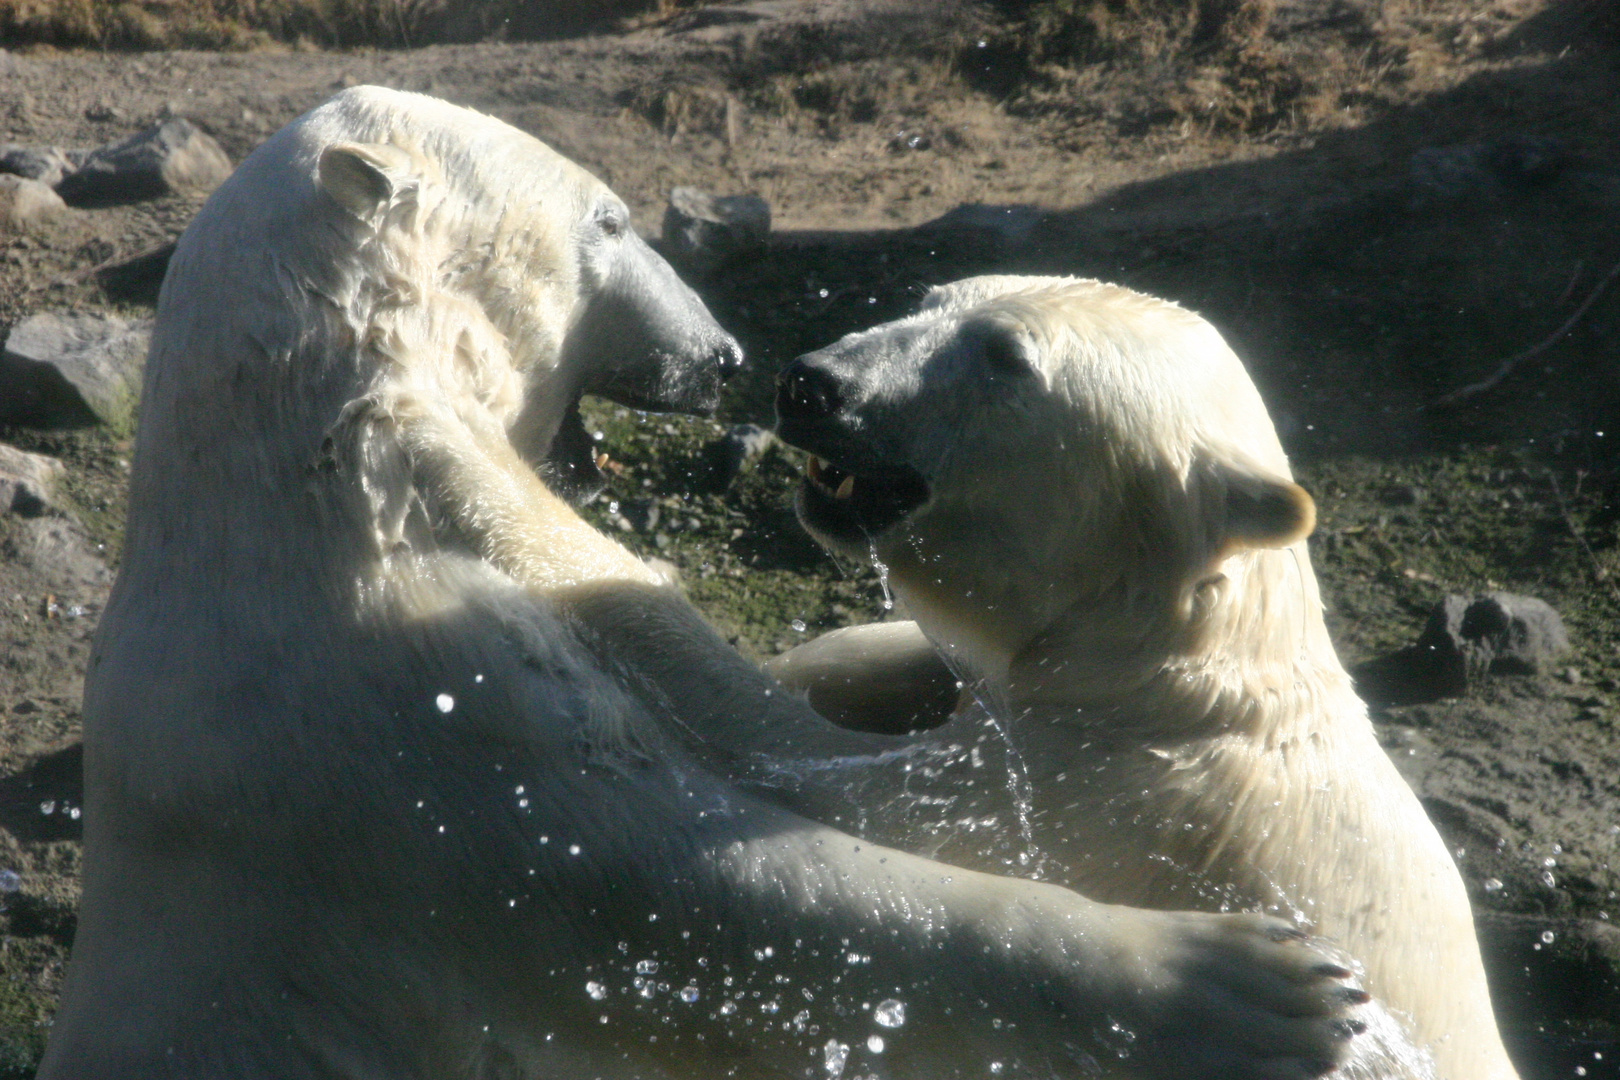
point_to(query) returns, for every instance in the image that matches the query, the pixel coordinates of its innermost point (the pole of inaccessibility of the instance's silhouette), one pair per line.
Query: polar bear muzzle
(852, 491)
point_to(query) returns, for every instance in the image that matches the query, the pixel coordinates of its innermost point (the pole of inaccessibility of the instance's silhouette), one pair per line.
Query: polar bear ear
(1262, 510)
(364, 177)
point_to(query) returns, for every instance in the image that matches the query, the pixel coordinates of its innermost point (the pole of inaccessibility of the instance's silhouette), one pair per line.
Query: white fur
(363, 801)
(1113, 554)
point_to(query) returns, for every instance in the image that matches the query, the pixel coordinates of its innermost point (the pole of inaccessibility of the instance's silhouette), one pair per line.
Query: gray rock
(47, 164)
(65, 561)
(1500, 632)
(26, 481)
(174, 156)
(703, 231)
(72, 371)
(1010, 224)
(137, 279)
(27, 204)
(735, 451)
(1485, 169)
(1466, 638)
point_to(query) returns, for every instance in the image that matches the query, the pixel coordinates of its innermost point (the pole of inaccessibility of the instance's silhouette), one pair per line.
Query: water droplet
(10, 881)
(833, 1056)
(480, 678)
(48, 807)
(73, 812)
(573, 849)
(874, 1043)
(770, 1007)
(518, 790)
(597, 991)
(690, 994)
(1547, 937)
(995, 1068)
(445, 702)
(646, 967)
(523, 804)
(727, 1008)
(1548, 880)
(890, 1013)
(1493, 885)
(798, 626)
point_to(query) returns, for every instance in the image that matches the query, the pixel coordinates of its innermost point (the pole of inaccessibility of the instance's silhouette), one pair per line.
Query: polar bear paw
(1235, 996)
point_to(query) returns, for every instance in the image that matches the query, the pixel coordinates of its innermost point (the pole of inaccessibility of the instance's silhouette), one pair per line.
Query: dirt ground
(1378, 202)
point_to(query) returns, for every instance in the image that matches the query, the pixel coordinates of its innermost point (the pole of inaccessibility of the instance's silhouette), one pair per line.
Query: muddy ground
(1377, 202)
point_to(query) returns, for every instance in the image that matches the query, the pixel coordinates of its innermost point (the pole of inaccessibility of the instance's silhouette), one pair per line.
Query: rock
(703, 231)
(1466, 638)
(1009, 223)
(174, 156)
(72, 371)
(26, 481)
(27, 204)
(1485, 169)
(64, 560)
(137, 279)
(735, 451)
(46, 164)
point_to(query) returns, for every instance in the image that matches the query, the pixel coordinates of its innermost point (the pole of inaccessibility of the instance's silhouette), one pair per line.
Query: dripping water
(883, 575)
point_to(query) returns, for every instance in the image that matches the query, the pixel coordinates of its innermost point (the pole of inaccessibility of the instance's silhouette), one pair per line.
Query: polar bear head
(389, 239)
(1040, 457)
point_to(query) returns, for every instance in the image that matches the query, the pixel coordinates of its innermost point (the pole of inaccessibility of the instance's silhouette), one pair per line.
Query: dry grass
(239, 24)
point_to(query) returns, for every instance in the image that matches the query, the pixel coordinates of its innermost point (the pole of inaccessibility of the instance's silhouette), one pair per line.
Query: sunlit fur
(364, 798)
(1113, 555)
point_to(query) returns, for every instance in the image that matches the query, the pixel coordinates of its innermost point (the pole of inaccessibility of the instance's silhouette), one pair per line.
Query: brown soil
(1377, 202)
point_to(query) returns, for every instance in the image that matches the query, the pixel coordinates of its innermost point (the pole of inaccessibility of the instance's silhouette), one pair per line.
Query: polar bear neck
(1248, 654)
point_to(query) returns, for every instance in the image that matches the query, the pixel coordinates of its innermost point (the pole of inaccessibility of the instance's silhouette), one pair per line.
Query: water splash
(883, 575)
(833, 1056)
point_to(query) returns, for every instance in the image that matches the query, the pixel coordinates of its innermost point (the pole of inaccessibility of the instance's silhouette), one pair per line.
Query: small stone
(735, 451)
(1401, 495)
(47, 164)
(704, 231)
(137, 279)
(1467, 638)
(174, 156)
(72, 371)
(26, 205)
(65, 559)
(1486, 169)
(26, 481)
(1004, 226)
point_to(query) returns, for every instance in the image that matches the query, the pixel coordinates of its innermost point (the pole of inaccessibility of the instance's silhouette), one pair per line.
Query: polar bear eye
(611, 220)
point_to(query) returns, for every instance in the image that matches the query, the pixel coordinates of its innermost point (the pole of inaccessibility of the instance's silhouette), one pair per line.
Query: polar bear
(366, 797)
(1079, 496)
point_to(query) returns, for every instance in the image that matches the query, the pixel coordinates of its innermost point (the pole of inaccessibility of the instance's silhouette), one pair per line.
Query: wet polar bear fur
(363, 798)
(1080, 498)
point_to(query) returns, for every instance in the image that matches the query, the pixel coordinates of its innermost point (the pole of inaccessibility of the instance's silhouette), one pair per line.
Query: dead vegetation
(247, 24)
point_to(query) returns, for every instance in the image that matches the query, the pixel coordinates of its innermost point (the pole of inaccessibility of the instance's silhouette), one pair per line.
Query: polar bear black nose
(728, 357)
(806, 392)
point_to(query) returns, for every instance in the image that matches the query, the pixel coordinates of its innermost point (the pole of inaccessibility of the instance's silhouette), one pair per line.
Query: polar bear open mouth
(855, 506)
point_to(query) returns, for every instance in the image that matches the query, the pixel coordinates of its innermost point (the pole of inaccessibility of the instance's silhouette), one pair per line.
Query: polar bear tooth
(846, 489)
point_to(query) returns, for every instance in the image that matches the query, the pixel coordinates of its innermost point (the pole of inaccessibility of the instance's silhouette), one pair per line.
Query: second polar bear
(1078, 494)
